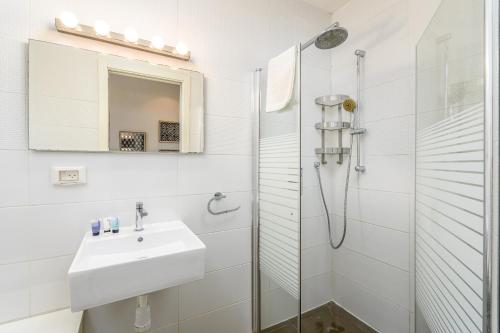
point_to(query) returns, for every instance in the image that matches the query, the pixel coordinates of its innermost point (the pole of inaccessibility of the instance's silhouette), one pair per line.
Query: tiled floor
(328, 318)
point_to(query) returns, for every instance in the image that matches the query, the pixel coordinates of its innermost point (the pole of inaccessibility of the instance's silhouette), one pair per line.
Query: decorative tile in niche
(169, 131)
(132, 141)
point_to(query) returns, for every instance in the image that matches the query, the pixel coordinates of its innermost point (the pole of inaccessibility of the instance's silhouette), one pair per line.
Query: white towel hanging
(280, 80)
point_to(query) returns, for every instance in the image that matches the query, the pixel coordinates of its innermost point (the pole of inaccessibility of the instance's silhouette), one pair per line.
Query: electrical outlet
(68, 175)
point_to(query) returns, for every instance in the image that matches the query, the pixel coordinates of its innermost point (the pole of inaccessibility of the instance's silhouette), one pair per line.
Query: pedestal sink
(112, 267)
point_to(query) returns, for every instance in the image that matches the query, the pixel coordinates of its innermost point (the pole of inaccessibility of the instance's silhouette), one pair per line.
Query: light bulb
(101, 28)
(131, 35)
(69, 19)
(181, 48)
(157, 42)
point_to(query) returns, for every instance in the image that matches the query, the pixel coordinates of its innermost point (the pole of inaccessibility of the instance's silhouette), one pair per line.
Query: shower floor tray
(328, 318)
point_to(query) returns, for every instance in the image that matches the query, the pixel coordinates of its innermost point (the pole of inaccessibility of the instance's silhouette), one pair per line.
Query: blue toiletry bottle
(96, 227)
(115, 225)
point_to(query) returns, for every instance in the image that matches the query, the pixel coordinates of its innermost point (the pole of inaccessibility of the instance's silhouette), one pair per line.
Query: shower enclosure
(300, 147)
(309, 231)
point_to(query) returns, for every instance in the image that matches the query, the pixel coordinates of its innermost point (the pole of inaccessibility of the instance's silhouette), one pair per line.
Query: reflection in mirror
(81, 100)
(143, 114)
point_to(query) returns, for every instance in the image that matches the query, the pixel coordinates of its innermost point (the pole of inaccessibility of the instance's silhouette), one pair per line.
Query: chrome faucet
(139, 214)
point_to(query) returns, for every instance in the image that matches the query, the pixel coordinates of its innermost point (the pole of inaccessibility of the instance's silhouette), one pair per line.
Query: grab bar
(218, 196)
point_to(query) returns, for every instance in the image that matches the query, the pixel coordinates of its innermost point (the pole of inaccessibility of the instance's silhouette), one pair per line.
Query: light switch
(69, 175)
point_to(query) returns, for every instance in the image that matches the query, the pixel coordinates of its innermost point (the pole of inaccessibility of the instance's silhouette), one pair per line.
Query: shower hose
(344, 230)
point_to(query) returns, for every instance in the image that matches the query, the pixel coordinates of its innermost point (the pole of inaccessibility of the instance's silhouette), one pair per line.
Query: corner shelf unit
(332, 126)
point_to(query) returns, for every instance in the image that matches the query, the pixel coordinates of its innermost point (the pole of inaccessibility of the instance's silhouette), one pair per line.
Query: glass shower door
(278, 193)
(450, 164)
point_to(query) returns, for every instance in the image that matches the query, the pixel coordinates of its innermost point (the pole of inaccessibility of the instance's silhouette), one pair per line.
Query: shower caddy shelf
(332, 126)
(332, 150)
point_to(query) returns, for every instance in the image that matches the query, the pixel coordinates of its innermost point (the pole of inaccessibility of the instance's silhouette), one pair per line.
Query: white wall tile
(385, 209)
(316, 291)
(14, 291)
(375, 311)
(15, 19)
(316, 260)
(277, 306)
(388, 100)
(158, 175)
(13, 124)
(212, 173)
(164, 307)
(14, 238)
(386, 173)
(216, 290)
(14, 178)
(314, 231)
(387, 245)
(381, 141)
(116, 317)
(234, 318)
(311, 204)
(119, 317)
(13, 65)
(231, 98)
(227, 248)
(49, 289)
(379, 278)
(228, 135)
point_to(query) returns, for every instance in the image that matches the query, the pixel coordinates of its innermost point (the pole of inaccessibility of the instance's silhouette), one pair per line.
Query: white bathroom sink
(112, 267)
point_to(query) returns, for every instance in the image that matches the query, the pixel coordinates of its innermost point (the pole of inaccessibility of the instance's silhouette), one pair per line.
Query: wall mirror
(81, 100)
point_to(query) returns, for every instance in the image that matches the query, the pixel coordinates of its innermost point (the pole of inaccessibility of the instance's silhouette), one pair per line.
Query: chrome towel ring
(218, 196)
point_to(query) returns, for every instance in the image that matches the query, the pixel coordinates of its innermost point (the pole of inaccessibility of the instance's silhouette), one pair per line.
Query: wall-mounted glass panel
(449, 200)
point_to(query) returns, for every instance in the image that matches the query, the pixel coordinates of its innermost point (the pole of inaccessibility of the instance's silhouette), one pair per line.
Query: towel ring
(218, 196)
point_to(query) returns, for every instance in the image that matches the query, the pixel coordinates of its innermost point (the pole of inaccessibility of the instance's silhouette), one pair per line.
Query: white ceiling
(328, 5)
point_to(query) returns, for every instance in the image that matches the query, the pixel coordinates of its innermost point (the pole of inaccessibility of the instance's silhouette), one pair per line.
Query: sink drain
(140, 239)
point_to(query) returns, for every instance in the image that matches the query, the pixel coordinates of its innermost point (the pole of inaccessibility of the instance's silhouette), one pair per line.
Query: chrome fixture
(338, 101)
(332, 37)
(340, 151)
(354, 125)
(219, 196)
(139, 214)
(142, 314)
(339, 125)
(357, 130)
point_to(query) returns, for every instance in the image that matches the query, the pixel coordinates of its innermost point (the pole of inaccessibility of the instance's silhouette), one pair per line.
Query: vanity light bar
(120, 39)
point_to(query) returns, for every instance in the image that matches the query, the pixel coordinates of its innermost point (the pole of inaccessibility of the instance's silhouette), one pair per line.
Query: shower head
(331, 38)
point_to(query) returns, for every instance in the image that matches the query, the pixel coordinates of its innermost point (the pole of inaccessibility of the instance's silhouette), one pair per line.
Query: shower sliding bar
(356, 130)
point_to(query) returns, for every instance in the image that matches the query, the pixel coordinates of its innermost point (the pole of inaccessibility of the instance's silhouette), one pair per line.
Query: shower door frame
(491, 132)
(256, 108)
